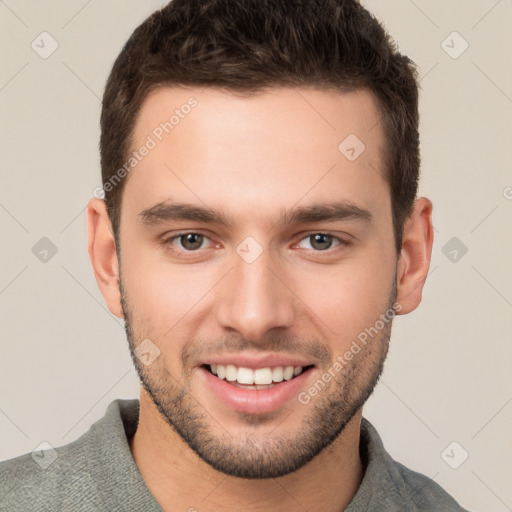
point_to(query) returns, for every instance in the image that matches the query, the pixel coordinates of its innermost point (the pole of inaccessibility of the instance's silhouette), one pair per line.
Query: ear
(414, 259)
(102, 251)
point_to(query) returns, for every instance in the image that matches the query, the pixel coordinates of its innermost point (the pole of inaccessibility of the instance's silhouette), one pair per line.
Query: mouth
(255, 383)
(255, 378)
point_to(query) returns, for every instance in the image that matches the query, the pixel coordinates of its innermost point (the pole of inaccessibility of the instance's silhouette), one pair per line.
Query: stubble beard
(273, 454)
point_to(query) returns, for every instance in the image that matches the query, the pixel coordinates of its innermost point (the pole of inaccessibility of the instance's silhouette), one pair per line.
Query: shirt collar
(381, 489)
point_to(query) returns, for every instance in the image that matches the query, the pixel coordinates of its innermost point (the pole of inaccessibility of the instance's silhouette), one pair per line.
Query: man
(259, 232)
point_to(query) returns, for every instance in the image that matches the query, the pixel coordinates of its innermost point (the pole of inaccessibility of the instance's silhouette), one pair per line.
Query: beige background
(64, 357)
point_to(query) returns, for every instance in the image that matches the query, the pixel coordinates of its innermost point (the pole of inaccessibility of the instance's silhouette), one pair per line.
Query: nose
(253, 299)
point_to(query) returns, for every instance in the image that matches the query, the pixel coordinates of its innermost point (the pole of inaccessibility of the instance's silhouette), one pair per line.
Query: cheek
(165, 296)
(348, 298)
(162, 306)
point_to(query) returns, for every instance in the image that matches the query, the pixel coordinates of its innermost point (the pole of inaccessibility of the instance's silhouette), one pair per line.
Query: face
(255, 257)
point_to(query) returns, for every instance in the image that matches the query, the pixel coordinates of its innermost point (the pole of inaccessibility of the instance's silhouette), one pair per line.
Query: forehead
(257, 153)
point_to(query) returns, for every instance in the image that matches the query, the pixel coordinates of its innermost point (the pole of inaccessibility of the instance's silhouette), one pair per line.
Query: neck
(180, 480)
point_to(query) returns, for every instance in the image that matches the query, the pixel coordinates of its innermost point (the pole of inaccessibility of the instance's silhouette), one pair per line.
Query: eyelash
(168, 242)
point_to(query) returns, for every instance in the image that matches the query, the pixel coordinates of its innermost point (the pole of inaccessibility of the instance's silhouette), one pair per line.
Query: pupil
(191, 241)
(320, 239)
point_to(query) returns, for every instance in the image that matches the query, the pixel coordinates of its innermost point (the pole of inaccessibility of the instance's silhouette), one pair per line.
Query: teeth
(245, 376)
(288, 372)
(263, 376)
(277, 374)
(231, 372)
(260, 376)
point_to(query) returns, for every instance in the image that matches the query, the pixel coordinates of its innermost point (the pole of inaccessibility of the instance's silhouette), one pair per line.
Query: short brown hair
(247, 46)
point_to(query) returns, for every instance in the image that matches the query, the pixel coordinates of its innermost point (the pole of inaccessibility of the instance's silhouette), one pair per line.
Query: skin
(251, 158)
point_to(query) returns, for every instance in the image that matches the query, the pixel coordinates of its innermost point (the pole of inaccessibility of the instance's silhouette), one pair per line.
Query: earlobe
(414, 259)
(103, 254)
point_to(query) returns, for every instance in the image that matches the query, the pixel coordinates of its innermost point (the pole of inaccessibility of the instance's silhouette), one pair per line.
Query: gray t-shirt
(98, 473)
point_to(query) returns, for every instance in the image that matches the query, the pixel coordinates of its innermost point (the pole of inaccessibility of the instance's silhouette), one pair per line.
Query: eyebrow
(333, 211)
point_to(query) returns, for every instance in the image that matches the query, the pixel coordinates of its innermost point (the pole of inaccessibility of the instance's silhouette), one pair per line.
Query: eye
(188, 242)
(321, 241)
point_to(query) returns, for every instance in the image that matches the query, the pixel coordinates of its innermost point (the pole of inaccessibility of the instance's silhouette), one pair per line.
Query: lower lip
(257, 401)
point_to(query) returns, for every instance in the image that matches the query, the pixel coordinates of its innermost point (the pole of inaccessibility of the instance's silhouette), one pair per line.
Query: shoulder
(63, 478)
(18, 481)
(37, 480)
(390, 485)
(424, 493)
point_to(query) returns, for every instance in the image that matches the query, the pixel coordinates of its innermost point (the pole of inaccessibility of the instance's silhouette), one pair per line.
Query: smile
(255, 387)
(258, 378)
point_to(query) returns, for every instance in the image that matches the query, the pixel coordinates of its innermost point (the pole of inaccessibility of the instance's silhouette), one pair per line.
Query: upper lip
(256, 361)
